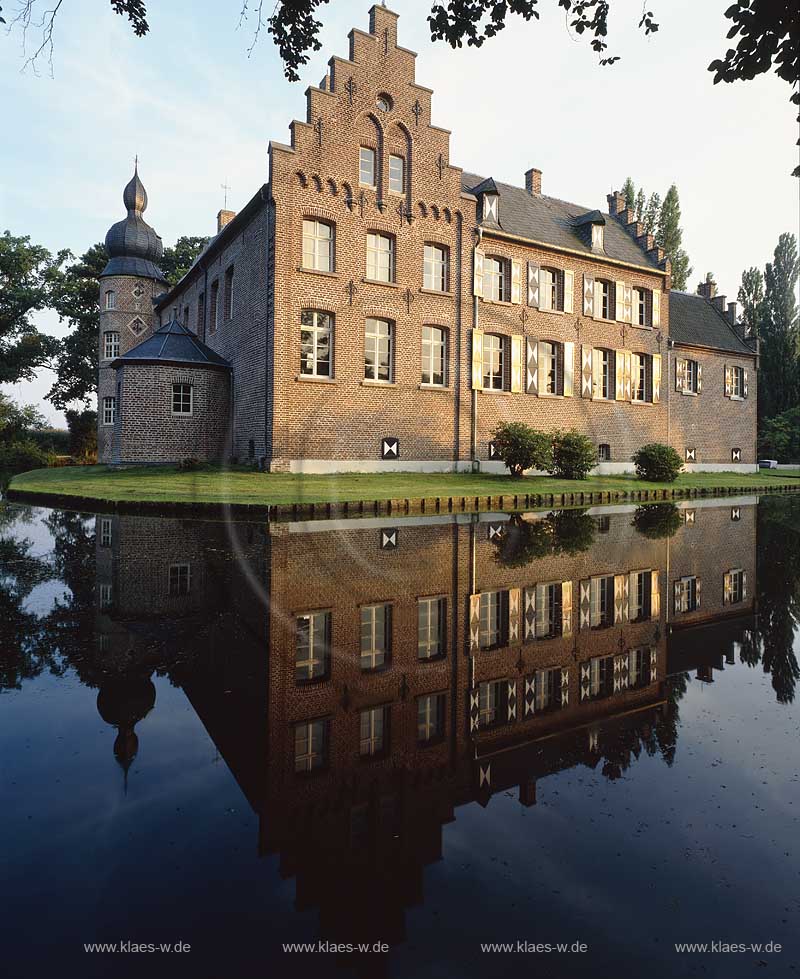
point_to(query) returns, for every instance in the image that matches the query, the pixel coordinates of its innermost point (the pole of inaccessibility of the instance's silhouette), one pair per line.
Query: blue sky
(200, 112)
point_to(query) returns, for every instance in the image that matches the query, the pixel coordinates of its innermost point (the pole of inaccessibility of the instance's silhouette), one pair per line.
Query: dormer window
(490, 207)
(597, 237)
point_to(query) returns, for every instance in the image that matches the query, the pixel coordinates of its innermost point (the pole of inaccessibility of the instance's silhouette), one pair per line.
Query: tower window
(111, 299)
(109, 411)
(110, 344)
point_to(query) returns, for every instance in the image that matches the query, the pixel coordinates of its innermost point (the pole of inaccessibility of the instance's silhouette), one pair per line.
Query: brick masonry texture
(281, 418)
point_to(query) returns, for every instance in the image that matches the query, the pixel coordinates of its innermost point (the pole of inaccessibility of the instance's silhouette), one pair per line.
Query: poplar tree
(629, 192)
(751, 299)
(670, 236)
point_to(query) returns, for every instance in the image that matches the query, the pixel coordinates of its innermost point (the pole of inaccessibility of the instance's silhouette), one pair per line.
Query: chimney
(707, 289)
(732, 314)
(617, 205)
(533, 182)
(719, 302)
(223, 218)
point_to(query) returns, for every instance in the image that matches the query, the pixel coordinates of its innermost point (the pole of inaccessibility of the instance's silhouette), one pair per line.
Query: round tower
(128, 285)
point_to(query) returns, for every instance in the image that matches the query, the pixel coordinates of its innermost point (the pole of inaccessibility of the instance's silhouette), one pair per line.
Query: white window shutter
(477, 274)
(532, 366)
(655, 595)
(542, 377)
(516, 363)
(569, 369)
(516, 282)
(726, 588)
(597, 373)
(744, 384)
(586, 371)
(744, 585)
(533, 285)
(656, 378)
(477, 359)
(588, 295)
(619, 291)
(656, 307)
(566, 608)
(699, 378)
(680, 374)
(728, 381)
(628, 304)
(569, 291)
(619, 363)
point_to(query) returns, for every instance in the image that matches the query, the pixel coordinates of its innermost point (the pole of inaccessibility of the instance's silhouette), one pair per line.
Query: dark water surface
(434, 733)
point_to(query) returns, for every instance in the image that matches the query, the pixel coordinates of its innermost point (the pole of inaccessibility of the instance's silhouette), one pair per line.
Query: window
(496, 279)
(366, 166)
(228, 296)
(434, 268)
(686, 597)
(692, 374)
(734, 587)
(312, 649)
(642, 307)
(310, 745)
(597, 237)
(604, 452)
(434, 356)
(639, 672)
(601, 596)
(604, 384)
(430, 717)
(547, 689)
(180, 580)
(604, 305)
(373, 724)
(201, 312)
(380, 257)
(642, 377)
(316, 334)
(551, 360)
(318, 238)
(431, 627)
(106, 597)
(397, 175)
(551, 289)
(493, 620)
(493, 362)
(640, 596)
(110, 344)
(737, 382)
(601, 676)
(111, 299)
(492, 702)
(376, 629)
(109, 411)
(186, 317)
(384, 103)
(548, 622)
(214, 306)
(378, 336)
(182, 399)
(105, 531)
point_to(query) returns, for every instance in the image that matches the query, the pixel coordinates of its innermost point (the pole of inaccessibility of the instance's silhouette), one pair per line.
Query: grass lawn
(165, 484)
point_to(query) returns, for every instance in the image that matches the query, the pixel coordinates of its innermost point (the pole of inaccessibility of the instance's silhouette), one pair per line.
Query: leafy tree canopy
(177, 261)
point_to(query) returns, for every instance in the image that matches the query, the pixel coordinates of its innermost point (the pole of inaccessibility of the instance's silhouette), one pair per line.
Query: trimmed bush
(522, 447)
(657, 520)
(573, 455)
(657, 463)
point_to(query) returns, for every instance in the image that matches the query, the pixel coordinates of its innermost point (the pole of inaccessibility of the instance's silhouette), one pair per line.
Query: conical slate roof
(133, 246)
(173, 343)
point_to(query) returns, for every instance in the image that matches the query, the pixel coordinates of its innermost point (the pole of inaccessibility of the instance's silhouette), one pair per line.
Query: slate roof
(173, 343)
(696, 322)
(554, 222)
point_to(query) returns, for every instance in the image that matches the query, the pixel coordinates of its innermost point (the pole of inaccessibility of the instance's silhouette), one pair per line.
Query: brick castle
(374, 307)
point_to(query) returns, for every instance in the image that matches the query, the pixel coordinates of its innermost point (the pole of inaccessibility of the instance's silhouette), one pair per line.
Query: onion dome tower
(128, 285)
(122, 702)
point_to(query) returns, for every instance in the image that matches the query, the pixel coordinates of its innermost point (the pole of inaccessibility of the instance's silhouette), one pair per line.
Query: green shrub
(19, 457)
(82, 427)
(560, 532)
(573, 455)
(522, 447)
(657, 520)
(190, 465)
(780, 437)
(657, 463)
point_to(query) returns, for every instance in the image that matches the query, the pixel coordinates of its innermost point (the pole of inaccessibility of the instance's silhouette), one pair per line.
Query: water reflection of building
(363, 680)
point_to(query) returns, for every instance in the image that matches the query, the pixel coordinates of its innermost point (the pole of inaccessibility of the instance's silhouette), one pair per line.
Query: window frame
(377, 744)
(435, 347)
(737, 382)
(556, 371)
(310, 234)
(492, 376)
(181, 413)
(378, 659)
(604, 304)
(501, 276)
(228, 294)
(316, 330)
(109, 410)
(310, 660)
(316, 760)
(108, 336)
(646, 378)
(179, 579)
(439, 267)
(429, 642)
(213, 322)
(374, 254)
(424, 722)
(372, 338)
(373, 157)
(110, 299)
(394, 158)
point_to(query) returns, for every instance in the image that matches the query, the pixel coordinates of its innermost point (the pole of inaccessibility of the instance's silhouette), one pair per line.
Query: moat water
(427, 735)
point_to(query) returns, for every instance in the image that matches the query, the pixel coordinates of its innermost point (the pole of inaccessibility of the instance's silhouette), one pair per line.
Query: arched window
(111, 299)
(496, 278)
(384, 102)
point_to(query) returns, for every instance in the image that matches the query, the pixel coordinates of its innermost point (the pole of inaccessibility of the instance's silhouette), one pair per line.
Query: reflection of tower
(128, 284)
(122, 702)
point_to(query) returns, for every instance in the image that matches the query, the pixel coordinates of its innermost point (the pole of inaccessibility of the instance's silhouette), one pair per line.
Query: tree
(669, 236)
(521, 447)
(751, 298)
(26, 276)
(82, 427)
(177, 261)
(779, 330)
(769, 35)
(629, 192)
(75, 300)
(650, 213)
(640, 204)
